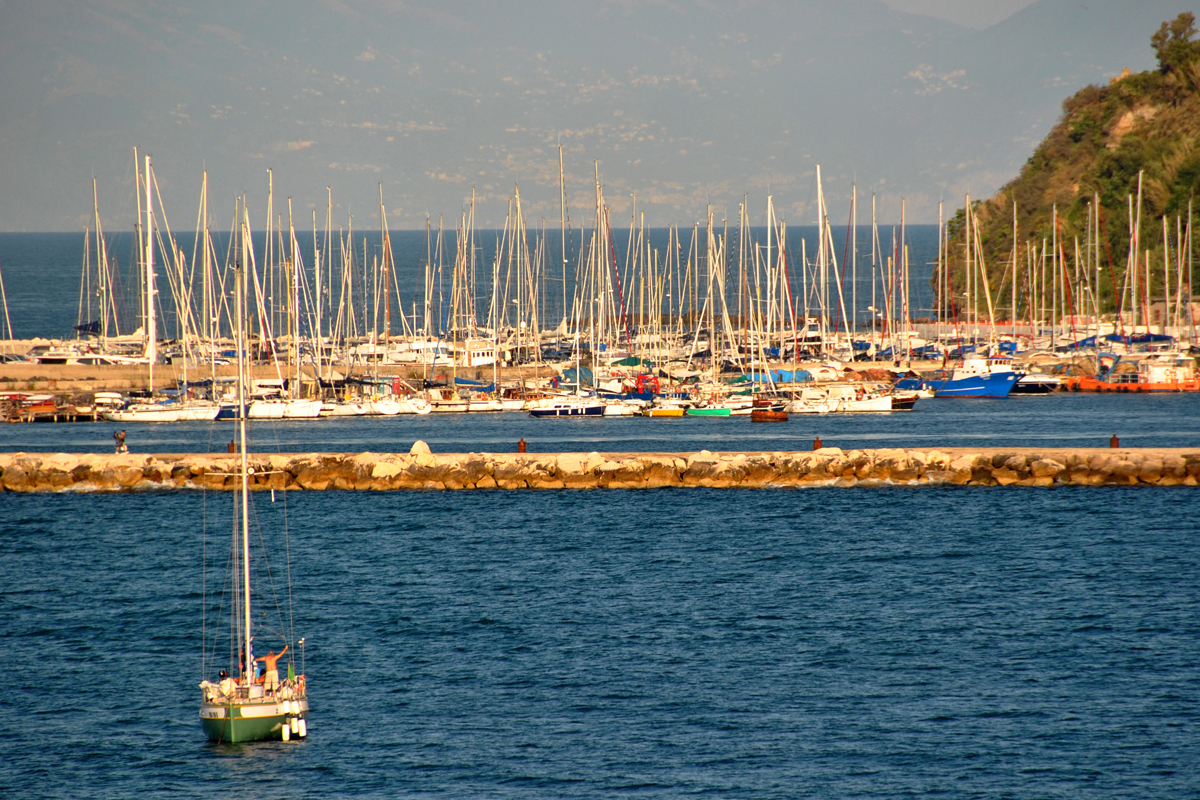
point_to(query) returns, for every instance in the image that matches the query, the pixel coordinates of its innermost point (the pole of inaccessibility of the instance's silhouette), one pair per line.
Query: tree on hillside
(1173, 43)
(1121, 160)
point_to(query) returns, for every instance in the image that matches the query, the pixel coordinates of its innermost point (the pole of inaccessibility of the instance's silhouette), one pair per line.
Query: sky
(974, 14)
(682, 106)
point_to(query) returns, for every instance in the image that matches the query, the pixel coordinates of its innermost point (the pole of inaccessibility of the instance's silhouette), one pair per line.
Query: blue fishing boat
(973, 376)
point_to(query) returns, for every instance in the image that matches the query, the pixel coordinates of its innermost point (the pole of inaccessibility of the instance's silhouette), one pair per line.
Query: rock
(547, 482)
(935, 459)
(631, 473)
(594, 460)
(313, 478)
(1046, 468)
(1017, 463)
(126, 477)
(16, 479)
(963, 463)
(1124, 469)
(1174, 466)
(1005, 476)
(419, 448)
(382, 470)
(1151, 471)
(659, 474)
(474, 469)
(571, 463)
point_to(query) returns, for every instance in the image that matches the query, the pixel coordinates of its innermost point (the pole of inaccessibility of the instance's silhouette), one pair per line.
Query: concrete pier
(420, 469)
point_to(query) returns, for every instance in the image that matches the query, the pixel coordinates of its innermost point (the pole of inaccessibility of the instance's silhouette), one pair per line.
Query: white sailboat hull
(284, 409)
(151, 412)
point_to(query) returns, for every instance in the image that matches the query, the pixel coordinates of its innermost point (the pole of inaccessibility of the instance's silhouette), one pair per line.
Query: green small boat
(708, 412)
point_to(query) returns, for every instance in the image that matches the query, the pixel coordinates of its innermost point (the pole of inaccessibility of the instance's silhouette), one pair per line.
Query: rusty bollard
(817, 443)
(1114, 442)
(521, 445)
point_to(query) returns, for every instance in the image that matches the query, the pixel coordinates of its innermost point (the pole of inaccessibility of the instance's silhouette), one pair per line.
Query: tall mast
(317, 281)
(294, 301)
(151, 333)
(853, 260)
(240, 292)
(387, 286)
(1014, 277)
(1192, 320)
(562, 227)
(874, 253)
(1054, 280)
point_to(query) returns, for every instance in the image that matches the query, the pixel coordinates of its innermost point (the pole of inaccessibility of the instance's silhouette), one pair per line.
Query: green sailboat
(241, 706)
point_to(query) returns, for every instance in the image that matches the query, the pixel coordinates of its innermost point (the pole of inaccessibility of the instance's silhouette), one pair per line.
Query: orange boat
(1161, 372)
(769, 409)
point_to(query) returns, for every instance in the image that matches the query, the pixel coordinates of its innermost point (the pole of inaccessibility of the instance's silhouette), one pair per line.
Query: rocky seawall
(420, 469)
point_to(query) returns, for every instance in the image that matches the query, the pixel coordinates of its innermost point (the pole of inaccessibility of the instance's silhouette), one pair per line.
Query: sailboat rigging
(243, 706)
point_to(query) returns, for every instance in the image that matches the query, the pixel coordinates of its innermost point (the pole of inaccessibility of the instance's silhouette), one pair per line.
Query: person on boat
(271, 662)
(119, 438)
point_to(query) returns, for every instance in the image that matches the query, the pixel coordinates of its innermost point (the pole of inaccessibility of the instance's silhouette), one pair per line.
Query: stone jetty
(421, 469)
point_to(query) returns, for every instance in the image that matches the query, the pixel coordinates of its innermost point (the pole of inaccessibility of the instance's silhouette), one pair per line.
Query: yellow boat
(663, 412)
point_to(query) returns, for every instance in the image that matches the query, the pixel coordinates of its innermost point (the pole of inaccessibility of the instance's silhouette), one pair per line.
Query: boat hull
(1097, 385)
(168, 413)
(233, 723)
(708, 412)
(569, 411)
(997, 385)
(1030, 384)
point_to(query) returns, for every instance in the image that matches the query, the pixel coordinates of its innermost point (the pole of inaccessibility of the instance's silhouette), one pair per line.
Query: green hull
(231, 730)
(708, 412)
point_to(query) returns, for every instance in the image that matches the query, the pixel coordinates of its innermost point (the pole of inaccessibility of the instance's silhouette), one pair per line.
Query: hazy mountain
(682, 101)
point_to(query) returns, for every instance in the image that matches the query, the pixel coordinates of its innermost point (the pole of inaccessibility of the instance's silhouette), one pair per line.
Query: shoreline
(422, 470)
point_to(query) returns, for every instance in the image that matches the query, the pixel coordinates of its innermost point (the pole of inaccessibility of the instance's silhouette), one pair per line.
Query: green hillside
(1146, 122)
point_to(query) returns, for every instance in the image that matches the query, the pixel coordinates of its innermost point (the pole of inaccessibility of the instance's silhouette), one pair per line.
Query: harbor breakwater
(422, 470)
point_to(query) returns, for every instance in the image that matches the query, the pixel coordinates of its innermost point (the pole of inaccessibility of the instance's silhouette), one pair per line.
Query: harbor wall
(422, 470)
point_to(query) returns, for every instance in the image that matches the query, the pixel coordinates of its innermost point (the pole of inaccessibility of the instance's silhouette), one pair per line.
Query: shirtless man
(271, 661)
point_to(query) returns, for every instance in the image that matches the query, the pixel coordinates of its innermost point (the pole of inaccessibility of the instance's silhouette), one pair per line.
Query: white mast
(151, 332)
(854, 261)
(241, 401)
(562, 227)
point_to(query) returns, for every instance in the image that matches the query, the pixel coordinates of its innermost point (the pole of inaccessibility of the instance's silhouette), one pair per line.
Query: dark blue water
(771, 644)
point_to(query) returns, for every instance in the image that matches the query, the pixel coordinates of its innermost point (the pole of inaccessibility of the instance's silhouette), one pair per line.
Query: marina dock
(422, 470)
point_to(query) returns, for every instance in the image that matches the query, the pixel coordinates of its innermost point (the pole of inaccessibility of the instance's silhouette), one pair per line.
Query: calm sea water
(771, 644)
